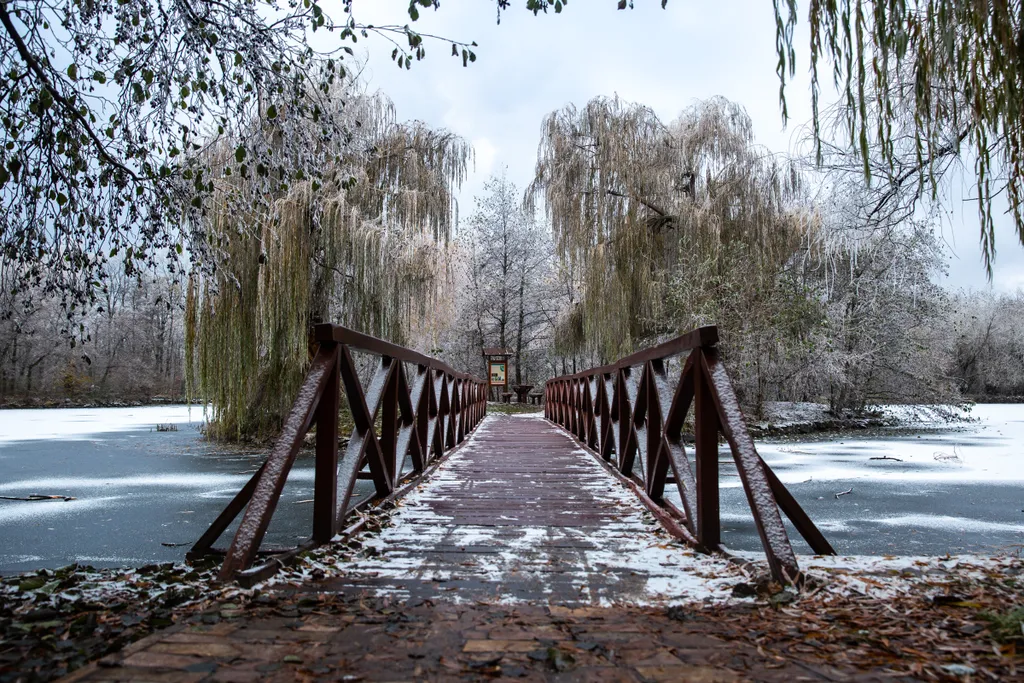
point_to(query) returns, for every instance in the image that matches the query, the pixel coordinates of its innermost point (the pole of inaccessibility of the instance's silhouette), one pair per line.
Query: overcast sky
(529, 66)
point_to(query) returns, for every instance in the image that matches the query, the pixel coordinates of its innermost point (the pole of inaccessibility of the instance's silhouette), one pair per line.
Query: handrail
(424, 414)
(364, 342)
(702, 336)
(630, 411)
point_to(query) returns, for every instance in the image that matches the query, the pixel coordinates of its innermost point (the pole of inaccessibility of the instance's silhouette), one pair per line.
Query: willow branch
(69, 108)
(896, 184)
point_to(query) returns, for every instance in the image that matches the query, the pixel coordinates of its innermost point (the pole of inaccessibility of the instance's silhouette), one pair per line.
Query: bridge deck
(521, 513)
(520, 558)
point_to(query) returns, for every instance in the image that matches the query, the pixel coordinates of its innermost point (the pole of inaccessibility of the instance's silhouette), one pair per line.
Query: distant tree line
(129, 347)
(988, 345)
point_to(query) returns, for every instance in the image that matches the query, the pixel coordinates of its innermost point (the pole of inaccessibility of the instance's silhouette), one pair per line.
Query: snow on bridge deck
(521, 514)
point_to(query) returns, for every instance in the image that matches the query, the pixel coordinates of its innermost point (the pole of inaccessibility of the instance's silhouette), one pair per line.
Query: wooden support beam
(325, 484)
(257, 515)
(706, 427)
(752, 470)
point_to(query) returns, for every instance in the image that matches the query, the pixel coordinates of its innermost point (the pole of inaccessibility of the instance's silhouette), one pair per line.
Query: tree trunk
(519, 330)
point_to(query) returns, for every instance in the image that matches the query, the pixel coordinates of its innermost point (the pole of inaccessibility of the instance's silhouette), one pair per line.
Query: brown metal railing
(631, 412)
(423, 412)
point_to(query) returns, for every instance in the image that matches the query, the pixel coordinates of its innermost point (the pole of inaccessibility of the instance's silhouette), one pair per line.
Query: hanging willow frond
(949, 72)
(363, 248)
(625, 193)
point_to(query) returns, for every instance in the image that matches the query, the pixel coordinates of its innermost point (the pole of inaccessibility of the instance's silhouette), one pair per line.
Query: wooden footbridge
(535, 485)
(531, 547)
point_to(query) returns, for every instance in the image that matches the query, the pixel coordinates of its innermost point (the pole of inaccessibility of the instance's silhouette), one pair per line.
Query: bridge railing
(632, 413)
(425, 408)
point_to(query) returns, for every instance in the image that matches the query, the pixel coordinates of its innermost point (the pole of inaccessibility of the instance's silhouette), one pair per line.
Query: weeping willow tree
(362, 245)
(949, 72)
(921, 82)
(632, 200)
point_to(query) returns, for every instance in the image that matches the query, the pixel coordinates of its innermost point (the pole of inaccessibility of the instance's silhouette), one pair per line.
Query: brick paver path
(334, 637)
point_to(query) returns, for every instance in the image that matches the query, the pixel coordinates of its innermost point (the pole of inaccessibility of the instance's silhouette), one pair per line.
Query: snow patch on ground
(783, 414)
(537, 415)
(886, 577)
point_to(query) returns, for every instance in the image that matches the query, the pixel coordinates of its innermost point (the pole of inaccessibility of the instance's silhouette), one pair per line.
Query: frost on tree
(363, 246)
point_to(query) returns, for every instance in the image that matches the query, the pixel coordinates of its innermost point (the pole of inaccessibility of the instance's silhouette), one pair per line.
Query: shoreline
(778, 426)
(58, 403)
(784, 419)
(818, 427)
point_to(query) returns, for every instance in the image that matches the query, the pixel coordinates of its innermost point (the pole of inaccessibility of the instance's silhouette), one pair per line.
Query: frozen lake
(942, 489)
(135, 488)
(953, 489)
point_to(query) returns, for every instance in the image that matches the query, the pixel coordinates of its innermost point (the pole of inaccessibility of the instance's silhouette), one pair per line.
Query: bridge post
(706, 428)
(389, 425)
(606, 390)
(657, 464)
(325, 483)
(423, 378)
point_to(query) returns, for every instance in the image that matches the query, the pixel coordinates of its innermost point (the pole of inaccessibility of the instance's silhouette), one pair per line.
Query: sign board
(496, 370)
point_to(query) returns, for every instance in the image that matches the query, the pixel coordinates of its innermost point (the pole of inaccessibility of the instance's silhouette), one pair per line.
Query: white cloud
(485, 154)
(1009, 281)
